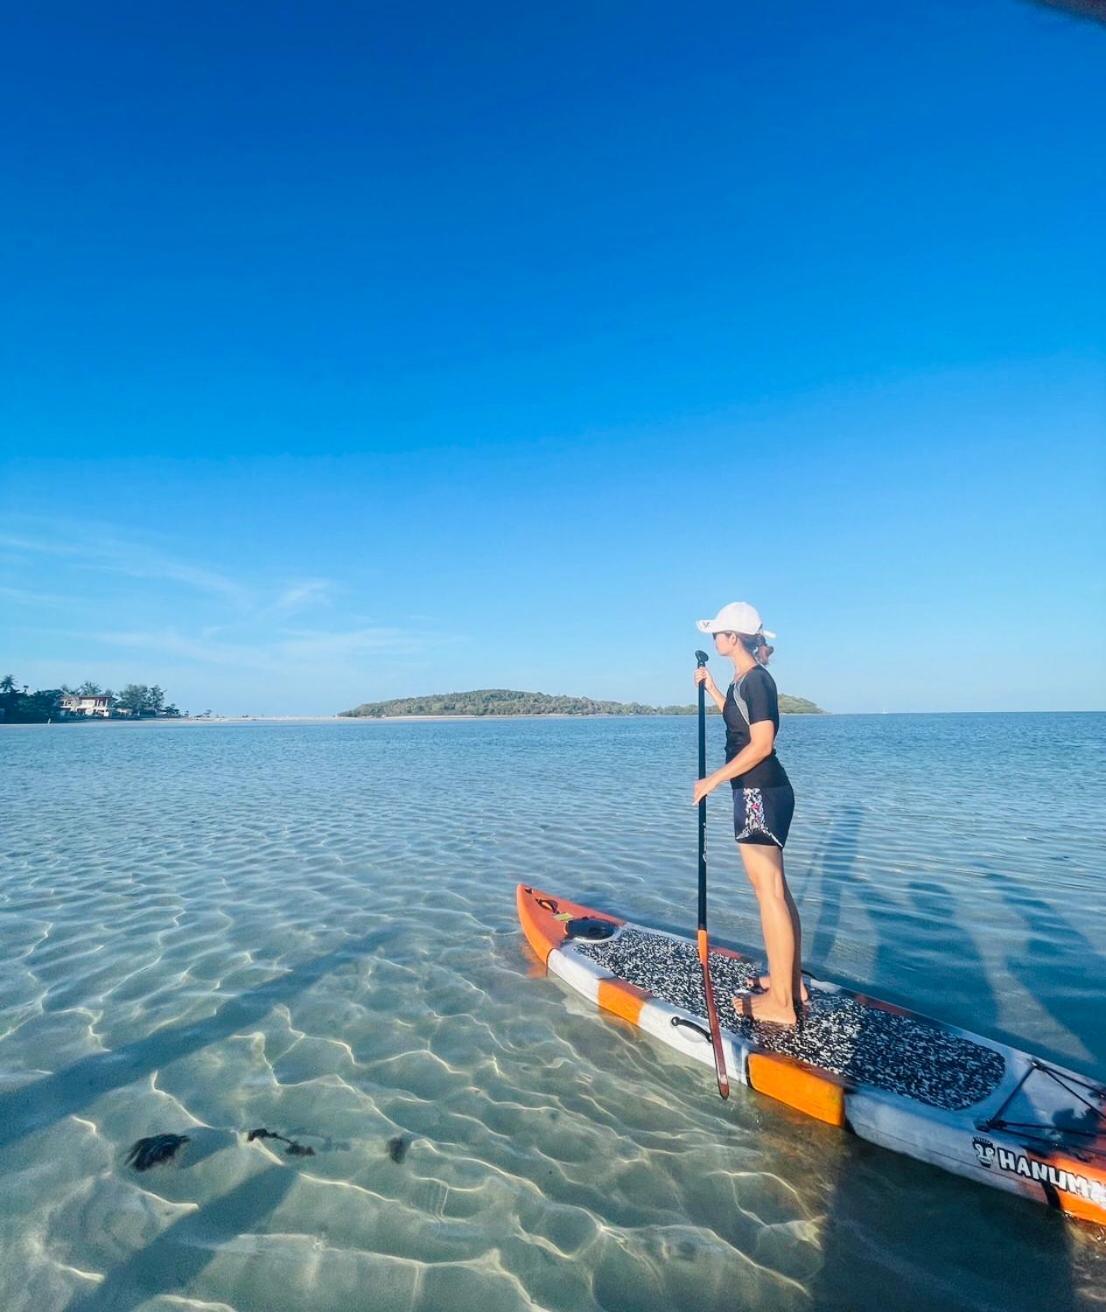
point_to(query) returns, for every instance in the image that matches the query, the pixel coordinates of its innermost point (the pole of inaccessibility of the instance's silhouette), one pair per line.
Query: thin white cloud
(27, 597)
(319, 645)
(92, 549)
(167, 642)
(305, 593)
(254, 636)
(303, 648)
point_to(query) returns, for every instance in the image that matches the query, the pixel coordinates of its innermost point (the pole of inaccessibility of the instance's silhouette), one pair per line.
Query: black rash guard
(755, 691)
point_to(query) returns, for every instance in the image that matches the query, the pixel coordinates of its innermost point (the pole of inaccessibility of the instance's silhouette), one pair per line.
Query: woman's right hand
(703, 676)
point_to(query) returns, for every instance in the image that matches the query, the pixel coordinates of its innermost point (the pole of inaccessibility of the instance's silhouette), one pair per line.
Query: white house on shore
(74, 704)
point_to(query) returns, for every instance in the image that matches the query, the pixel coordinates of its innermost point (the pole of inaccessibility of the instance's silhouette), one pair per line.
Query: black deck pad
(903, 1055)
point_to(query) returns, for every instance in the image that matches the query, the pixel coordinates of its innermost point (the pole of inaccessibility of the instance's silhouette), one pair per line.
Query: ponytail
(757, 647)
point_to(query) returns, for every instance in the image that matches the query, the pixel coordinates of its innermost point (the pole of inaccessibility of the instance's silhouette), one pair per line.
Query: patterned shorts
(763, 815)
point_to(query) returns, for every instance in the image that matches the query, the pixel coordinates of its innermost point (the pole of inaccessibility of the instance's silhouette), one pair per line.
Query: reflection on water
(206, 929)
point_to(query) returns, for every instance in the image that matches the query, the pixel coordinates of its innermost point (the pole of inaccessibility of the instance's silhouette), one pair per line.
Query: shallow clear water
(208, 928)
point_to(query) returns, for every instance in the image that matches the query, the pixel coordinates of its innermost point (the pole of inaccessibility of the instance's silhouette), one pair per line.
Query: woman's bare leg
(765, 981)
(782, 936)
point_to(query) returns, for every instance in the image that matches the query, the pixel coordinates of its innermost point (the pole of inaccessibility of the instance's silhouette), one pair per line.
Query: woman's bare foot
(763, 1007)
(764, 983)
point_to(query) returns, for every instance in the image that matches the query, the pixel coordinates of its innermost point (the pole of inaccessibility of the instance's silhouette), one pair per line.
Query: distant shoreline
(372, 719)
(437, 719)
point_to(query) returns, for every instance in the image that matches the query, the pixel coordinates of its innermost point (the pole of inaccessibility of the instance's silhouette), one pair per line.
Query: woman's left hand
(703, 788)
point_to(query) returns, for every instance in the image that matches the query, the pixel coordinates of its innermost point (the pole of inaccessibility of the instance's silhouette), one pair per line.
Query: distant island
(505, 701)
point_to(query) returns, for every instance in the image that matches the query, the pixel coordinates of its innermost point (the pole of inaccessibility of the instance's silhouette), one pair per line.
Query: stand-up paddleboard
(943, 1095)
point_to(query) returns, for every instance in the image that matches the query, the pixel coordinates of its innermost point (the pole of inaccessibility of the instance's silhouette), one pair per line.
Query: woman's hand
(703, 676)
(703, 788)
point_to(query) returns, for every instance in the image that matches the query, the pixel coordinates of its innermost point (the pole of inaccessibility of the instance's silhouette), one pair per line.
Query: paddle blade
(712, 1019)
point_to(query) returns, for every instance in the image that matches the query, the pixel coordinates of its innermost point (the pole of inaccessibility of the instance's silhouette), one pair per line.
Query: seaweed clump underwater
(293, 1150)
(156, 1149)
(159, 1148)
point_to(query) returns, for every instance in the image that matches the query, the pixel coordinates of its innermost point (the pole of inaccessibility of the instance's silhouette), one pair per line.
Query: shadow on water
(48, 1100)
(820, 936)
(931, 918)
(1058, 950)
(897, 1232)
(170, 1263)
(936, 929)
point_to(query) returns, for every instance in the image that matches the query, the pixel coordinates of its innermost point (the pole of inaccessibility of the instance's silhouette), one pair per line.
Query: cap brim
(705, 626)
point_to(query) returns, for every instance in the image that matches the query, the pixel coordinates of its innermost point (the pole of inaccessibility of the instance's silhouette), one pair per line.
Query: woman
(764, 802)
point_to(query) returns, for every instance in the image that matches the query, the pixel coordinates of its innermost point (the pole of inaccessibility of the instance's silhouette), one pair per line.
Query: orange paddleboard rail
(543, 918)
(805, 1090)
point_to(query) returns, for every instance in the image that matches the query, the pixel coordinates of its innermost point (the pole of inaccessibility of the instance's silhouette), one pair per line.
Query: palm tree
(7, 684)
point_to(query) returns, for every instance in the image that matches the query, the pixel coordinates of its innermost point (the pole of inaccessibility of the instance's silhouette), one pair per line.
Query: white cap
(737, 617)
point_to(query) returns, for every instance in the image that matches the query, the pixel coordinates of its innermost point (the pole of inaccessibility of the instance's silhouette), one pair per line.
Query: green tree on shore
(140, 699)
(23, 707)
(29, 707)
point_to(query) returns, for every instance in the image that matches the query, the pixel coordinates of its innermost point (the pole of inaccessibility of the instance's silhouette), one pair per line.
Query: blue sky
(359, 352)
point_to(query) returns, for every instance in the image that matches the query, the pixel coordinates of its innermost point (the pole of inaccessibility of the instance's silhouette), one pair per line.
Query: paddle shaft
(702, 805)
(704, 942)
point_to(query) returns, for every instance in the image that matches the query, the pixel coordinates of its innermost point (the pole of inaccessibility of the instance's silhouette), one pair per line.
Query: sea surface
(206, 929)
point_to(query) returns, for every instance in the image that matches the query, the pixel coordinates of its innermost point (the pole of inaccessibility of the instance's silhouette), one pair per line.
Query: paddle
(704, 946)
